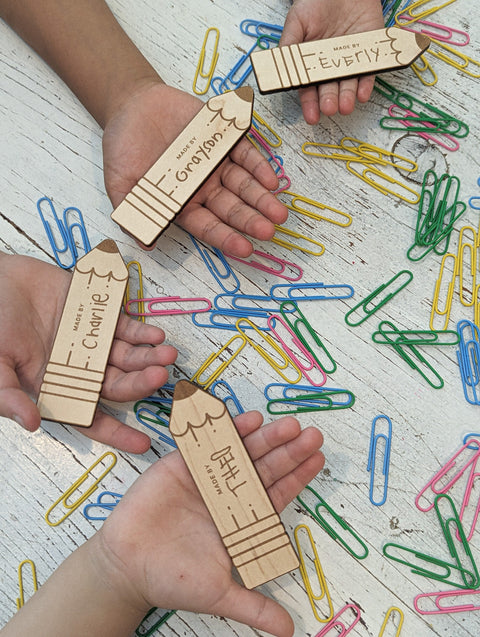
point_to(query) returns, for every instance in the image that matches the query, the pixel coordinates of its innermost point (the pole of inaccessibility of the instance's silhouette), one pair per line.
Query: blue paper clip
(102, 505)
(154, 418)
(256, 28)
(69, 227)
(247, 304)
(374, 438)
(468, 356)
(221, 277)
(292, 289)
(214, 319)
(474, 202)
(468, 436)
(65, 244)
(228, 397)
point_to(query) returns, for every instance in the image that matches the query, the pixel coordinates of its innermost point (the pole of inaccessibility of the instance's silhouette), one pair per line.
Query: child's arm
(159, 547)
(141, 116)
(319, 19)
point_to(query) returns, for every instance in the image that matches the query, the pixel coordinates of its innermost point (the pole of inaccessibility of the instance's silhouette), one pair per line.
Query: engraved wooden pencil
(230, 486)
(318, 61)
(74, 375)
(179, 172)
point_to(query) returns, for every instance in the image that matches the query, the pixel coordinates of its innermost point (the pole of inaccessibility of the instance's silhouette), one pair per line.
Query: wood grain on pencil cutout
(185, 165)
(370, 52)
(230, 486)
(74, 375)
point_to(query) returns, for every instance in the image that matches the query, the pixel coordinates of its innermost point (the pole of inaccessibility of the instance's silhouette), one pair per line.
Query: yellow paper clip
(140, 295)
(63, 499)
(436, 311)
(265, 131)
(369, 171)
(377, 155)
(337, 217)
(21, 598)
(295, 246)
(476, 314)
(216, 356)
(455, 58)
(410, 11)
(424, 71)
(391, 611)
(331, 152)
(467, 281)
(324, 592)
(201, 71)
(285, 362)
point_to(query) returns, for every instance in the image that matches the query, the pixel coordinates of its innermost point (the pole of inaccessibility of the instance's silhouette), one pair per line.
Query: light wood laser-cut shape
(74, 375)
(185, 165)
(286, 67)
(230, 486)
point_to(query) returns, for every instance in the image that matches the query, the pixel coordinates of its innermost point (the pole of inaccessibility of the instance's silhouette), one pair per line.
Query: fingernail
(18, 420)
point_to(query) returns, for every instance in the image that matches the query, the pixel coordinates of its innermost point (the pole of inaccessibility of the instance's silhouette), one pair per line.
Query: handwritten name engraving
(98, 305)
(356, 57)
(200, 154)
(226, 460)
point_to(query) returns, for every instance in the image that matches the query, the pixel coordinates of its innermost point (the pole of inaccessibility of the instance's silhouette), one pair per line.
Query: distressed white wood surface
(50, 146)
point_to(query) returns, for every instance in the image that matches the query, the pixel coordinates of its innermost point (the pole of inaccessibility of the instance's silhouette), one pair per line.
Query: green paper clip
(363, 305)
(416, 337)
(329, 529)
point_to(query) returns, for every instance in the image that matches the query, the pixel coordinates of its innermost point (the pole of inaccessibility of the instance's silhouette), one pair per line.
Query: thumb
(256, 610)
(14, 402)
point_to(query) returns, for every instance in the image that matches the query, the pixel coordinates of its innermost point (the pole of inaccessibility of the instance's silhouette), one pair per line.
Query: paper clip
(295, 292)
(375, 155)
(306, 393)
(428, 128)
(337, 217)
(58, 249)
(324, 399)
(204, 303)
(436, 310)
(201, 71)
(438, 597)
(438, 32)
(21, 566)
(102, 505)
(246, 304)
(281, 363)
(256, 28)
(470, 247)
(227, 395)
(297, 246)
(162, 404)
(454, 58)
(216, 358)
(282, 265)
(411, 11)
(275, 161)
(128, 297)
(471, 435)
(146, 416)
(444, 569)
(226, 319)
(390, 613)
(368, 176)
(474, 475)
(441, 482)
(220, 276)
(474, 202)
(70, 228)
(324, 592)
(144, 630)
(416, 337)
(424, 71)
(378, 303)
(298, 322)
(372, 454)
(335, 623)
(307, 364)
(265, 131)
(63, 499)
(329, 529)
(468, 356)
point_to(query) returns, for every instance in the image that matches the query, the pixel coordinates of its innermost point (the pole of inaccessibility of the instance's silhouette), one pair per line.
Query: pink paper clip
(436, 136)
(151, 311)
(437, 31)
(449, 466)
(466, 500)
(438, 597)
(280, 271)
(333, 624)
(305, 368)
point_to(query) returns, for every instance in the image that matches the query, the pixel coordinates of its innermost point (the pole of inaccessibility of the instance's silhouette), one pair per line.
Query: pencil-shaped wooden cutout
(74, 375)
(230, 486)
(180, 171)
(317, 61)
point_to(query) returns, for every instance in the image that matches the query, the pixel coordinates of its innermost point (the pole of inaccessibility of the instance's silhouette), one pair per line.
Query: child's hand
(161, 548)
(235, 199)
(319, 19)
(33, 294)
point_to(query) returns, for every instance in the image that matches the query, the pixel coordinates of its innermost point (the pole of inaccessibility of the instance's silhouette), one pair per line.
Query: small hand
(33, 295)
(319, 19)
(235, 199)
(160, 541)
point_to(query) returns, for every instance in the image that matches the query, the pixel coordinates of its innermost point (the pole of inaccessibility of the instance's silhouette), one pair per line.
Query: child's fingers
(110, 431)
(284, 490)
(137, 332)
(15, 403)
(122, 387)
(248, 157)
(129, 358)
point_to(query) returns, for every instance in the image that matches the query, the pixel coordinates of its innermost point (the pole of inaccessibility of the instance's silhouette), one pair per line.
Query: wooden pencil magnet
(370, 52)
(74, 375)
(186, 164)
(230, 486)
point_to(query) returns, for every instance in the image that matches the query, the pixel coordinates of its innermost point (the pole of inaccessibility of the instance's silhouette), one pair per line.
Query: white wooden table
(50, 146)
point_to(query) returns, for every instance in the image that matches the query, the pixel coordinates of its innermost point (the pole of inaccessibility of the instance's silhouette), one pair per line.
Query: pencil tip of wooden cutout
(423, 42)
(245, 93)
(108, 245)
(184, 389)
